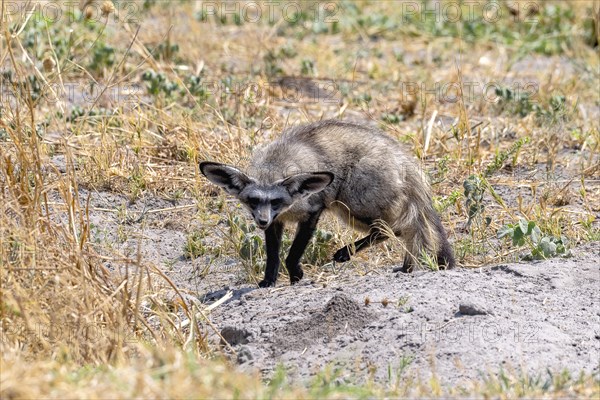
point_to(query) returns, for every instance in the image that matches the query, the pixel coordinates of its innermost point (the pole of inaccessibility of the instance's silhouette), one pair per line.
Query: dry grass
(81, 319)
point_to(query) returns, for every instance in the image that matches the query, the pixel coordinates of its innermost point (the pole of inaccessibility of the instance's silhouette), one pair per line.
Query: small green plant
(318, 250)
(196, 88)
(362, 99)
(147, 4)
(592, 232)
(441, 204)
(520, 231)
(440, 172)
(392, 118)
(30, 87)
(475, 188)
(288, 51)
(78, 112)
(429, 261)
(103, 56)
(122, 234)
(527, 232)
(402, 301)
(166, 51)
(467, 247)
(194, 245)
(158, 83)
(307, 67)
(520, 102)
(551, 246)
(555, 111)
(137, 183)
(248, 243)
(501, 157)
(42, 26)
(169, 264)
(271, 64)
(514, 101)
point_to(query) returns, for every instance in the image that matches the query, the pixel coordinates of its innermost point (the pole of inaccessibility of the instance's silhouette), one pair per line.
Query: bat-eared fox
(357, 172)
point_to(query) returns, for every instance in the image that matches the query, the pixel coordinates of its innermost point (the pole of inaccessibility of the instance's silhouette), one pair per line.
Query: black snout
(262, 223)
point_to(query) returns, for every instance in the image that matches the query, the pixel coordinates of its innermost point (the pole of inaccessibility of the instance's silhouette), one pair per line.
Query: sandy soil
(458, 323)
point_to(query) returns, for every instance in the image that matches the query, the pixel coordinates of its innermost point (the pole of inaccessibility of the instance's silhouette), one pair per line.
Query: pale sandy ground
(530, 317)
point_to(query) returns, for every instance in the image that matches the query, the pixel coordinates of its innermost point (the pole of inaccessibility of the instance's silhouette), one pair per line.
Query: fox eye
(253, 201)
(276, 202)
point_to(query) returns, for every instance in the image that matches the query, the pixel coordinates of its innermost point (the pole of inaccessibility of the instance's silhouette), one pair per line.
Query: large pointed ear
(308, 183)
(229, 178)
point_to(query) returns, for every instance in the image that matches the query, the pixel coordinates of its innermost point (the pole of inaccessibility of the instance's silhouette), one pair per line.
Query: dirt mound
(342, 308)
(340, 315)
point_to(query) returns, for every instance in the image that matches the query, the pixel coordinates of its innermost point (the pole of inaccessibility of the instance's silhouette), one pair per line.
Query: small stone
(235, 336)
(265, 329)
(472, 309)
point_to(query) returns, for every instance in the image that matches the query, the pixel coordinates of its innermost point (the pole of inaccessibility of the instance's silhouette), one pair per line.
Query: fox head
(265, 201)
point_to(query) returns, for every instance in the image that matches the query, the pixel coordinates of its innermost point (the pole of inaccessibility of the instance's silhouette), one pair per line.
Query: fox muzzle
(263, 217)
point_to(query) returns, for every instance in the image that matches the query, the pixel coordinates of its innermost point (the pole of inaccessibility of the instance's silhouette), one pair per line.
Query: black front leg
(304, 233)
(273, 243)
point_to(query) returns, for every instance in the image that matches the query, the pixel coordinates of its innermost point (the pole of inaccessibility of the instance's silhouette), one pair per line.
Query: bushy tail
(424, 235)
(445, 254)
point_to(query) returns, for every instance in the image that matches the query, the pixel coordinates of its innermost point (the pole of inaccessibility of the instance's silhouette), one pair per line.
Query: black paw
(406, 269)
(446, 258)
(407, 266)
(342, 255)
(296, 276)
(265, 283)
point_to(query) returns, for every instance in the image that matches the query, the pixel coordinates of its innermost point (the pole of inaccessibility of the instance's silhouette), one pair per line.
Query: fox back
(375, 180)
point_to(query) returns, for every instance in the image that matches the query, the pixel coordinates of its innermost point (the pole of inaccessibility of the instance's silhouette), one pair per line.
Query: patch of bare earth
(455, 324)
